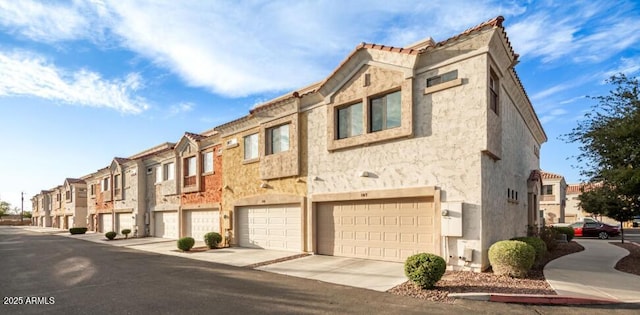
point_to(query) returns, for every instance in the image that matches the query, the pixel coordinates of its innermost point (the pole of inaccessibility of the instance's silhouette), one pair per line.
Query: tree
(609, 138)
(4, 208)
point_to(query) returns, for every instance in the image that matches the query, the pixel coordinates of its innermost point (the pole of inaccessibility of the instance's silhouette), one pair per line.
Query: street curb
(531, 299)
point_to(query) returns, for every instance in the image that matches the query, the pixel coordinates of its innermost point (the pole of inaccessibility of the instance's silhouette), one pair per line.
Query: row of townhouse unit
(428, 148)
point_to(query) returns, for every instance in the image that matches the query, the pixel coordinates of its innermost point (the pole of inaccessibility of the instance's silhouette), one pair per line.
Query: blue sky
(83, 81)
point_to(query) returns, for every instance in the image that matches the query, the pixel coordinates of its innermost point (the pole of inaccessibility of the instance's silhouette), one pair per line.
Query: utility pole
(21, 206)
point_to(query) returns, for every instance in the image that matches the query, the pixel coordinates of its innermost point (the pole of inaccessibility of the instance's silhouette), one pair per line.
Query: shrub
(212, 239)
(512, 258)
(537, 244)
(425, 269)
(567, 230)
(125, 232)
(186, 243)
(111, 235)
(548, 235)
(78, 230)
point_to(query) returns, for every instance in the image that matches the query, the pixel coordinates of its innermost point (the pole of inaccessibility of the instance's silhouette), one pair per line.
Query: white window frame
(169, 171)
(208, 165)
(251, 147)
(158, 174)
(106, 183)
(191, 166)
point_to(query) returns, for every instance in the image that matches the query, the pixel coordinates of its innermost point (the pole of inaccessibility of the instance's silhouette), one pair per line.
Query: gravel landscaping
(464, 281)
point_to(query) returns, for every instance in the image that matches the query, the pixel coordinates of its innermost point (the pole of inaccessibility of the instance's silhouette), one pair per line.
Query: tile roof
(547, 175)
(159, 148)
(579, 188)
(120, 160)
(74, 181)
(194, 136)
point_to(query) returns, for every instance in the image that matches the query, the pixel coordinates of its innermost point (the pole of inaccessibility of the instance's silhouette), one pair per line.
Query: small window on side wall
(445, 77)
(494, 89)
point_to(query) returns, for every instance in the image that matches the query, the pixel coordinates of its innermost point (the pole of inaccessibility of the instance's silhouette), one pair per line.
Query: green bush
(567, 230)
(110, 235)
(548, 235)
(186, 243)
(212, 239)
(425, 269)
(512, 258)
(537, 244)
(125, 232)
(78, 230)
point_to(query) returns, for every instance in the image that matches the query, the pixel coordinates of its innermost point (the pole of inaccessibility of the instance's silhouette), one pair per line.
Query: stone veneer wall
(242, 180)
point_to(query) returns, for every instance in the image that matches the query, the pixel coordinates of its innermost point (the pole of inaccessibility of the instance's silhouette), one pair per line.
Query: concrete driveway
(354, 272)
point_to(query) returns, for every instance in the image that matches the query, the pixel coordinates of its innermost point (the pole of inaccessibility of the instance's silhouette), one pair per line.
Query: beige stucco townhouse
(41, 205)
(74, 208)
(432, 147)
(162, 199)
(553, 199)
(264, 193)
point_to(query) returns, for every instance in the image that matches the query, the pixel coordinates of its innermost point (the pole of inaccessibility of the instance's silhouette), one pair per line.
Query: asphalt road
(69, 276)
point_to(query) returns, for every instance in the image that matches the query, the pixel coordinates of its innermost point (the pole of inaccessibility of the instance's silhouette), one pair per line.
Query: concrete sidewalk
(591, 274)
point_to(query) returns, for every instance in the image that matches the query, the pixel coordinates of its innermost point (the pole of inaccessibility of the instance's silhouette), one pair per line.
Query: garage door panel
(124, 221)
(377, 229)
(106, 222)
(272, 227)
(166, 224)
(197, 223)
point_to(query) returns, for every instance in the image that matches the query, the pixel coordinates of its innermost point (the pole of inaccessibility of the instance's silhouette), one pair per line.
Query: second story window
(158, 174)
(445, 77)
(68, 195)
(190, 171)
(106, 184)
(278, 139)
(116, 183)
(349, 121)
(547, 190)
(385, 112)
(207, 162)
(251, 147)
(493, 92)
(169, 171)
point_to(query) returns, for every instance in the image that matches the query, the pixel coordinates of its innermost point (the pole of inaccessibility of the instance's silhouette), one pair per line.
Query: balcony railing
(189, 181)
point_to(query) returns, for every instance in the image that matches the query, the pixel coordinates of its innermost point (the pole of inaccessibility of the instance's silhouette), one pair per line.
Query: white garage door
(166, 224)
(390, 229)
(105, 222)
(198, 223)
(270, 227)
(125, 221)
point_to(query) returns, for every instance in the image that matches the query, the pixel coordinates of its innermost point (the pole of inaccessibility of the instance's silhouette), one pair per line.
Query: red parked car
(595, 229)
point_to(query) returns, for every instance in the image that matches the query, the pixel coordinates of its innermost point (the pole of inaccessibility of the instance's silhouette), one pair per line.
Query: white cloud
(578, 31)
(628, 66)
(244, 48)
(25, 74)
(184, 107)
(44, 22)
